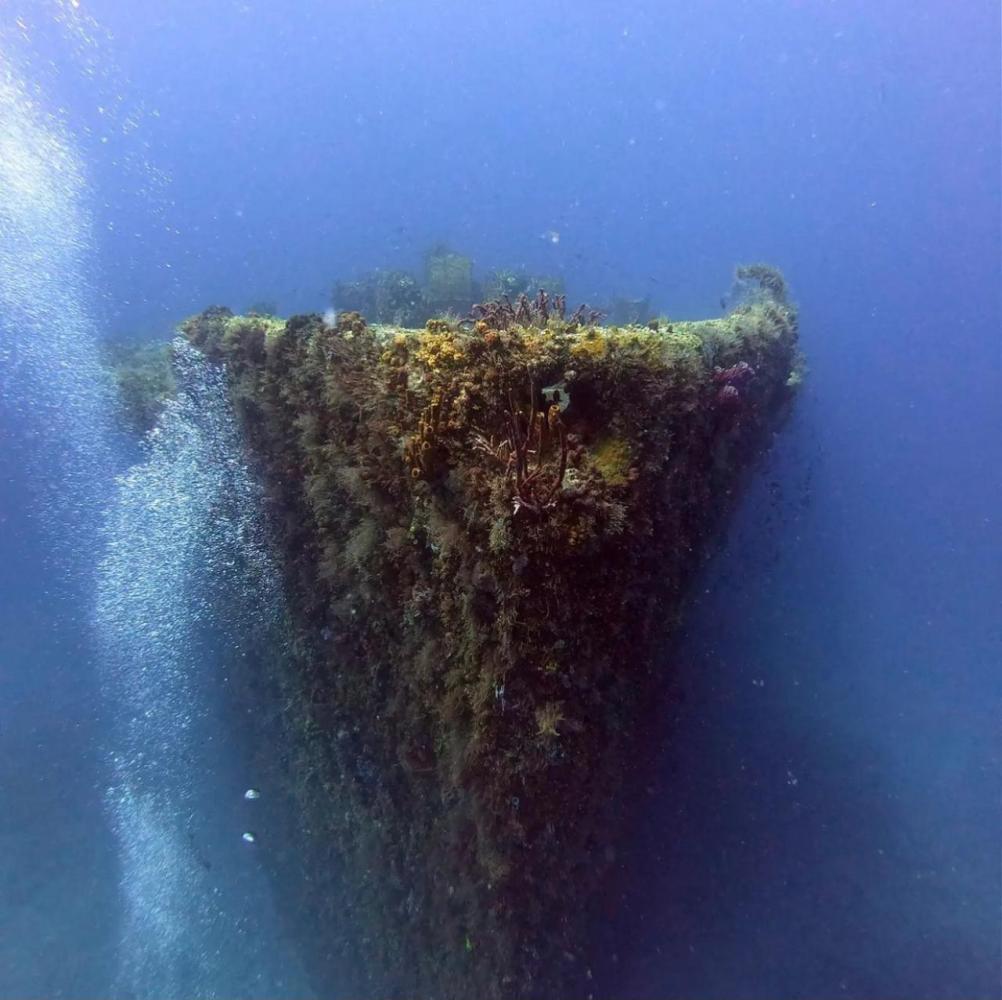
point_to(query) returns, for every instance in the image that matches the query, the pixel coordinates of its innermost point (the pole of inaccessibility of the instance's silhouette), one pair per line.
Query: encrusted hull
(487, 536)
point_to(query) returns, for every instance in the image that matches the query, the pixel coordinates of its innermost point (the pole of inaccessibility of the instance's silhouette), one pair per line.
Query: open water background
(826, 821)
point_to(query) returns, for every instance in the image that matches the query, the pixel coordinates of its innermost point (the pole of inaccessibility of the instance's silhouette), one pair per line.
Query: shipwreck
(487, 529)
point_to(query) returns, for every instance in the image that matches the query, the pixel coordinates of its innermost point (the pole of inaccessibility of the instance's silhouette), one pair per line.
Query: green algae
(612, 458)
(479, 578)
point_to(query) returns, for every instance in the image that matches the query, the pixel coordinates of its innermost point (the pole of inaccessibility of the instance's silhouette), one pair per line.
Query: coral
(438, 347)
(425, 451)
(501, 314)
(508, 284)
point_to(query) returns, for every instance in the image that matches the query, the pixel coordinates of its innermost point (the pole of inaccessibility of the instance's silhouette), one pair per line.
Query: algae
(144, 379)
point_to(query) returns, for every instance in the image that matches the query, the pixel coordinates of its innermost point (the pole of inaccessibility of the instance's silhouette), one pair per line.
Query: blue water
(824, 818)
